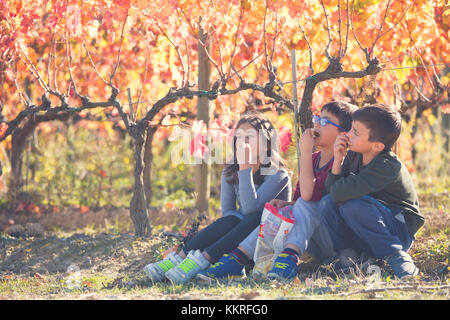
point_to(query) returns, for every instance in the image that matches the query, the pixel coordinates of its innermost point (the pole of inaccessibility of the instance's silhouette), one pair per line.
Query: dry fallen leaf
(249, 295)
(39, 276)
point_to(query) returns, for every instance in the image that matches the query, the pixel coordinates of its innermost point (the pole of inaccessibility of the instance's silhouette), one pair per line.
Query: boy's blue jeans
(365, 224)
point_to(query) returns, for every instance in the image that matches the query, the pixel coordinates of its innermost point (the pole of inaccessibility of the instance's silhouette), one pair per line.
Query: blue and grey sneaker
(402, 264)
(188, 268)
(155, 271)
(227, 267)
(284, 267)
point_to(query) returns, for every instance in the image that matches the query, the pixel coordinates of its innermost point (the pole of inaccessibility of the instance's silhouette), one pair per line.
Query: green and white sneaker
(155, 271)
(188, 268)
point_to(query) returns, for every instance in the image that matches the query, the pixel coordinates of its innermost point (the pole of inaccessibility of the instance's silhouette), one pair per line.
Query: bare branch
(274, 38)
(340, 29)
(30, 66)
(235, 43)
(55, 83)
(237, 73)
(346, 36)
(250, 62)
(387, 31)
(309, 46)
(327, 53)
(365, 50)
(188, 21)
(401, 18)
(46, 107)
(265, 39)
(49, 61)
(138, 108)
(93, 64)
(222, 76)
(220, 51)
(24, 97)
(420, 55)
(69, 66)
(176, 94)
(381, 26)
(188, 63)
(177, 49)
(120, 49)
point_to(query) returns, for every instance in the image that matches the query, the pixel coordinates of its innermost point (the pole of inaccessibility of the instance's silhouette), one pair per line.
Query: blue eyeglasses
(323, 121)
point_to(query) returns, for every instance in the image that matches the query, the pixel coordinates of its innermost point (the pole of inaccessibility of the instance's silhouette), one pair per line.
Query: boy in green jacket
(372, 205)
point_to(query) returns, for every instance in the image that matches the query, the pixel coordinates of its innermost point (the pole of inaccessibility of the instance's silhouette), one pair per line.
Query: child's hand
(277, 203)
(340, 148)
(307, 141)
(244, 155)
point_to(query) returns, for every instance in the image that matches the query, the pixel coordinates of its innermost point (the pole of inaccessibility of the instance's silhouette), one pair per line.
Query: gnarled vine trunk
(138, 204)
(148, 159)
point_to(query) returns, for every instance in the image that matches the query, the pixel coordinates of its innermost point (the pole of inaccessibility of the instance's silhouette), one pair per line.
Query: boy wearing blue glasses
(335, 118)
(372, 205)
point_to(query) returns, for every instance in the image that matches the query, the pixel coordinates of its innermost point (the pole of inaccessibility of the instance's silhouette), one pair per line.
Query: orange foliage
(151, 46)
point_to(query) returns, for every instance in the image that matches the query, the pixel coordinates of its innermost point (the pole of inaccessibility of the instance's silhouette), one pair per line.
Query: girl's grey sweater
(250, 197)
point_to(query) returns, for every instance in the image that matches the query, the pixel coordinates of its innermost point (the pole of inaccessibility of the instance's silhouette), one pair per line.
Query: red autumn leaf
(172, 249)
(285, 136)
(21, 206)
(169, 205)
(3, 129)
(198, 146)
(87, 283)
(84, 209)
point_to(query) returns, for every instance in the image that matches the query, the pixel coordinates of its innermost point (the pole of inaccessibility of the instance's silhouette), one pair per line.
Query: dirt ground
(100, 248)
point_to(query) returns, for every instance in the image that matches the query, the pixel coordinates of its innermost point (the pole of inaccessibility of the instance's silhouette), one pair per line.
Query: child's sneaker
(155, 271)
(227, 267)
(284, 267)
(188, 268)
(402, 264)
(348, 261)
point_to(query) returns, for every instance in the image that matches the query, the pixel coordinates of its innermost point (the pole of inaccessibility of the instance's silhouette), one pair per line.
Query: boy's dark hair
(342, 111)
(383, 122)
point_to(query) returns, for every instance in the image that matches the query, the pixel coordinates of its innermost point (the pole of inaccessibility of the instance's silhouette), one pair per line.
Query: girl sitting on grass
(255, 176)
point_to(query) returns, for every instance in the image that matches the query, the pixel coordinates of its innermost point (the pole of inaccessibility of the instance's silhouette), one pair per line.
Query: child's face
(358, 139)
(247, 136)
(326, 135)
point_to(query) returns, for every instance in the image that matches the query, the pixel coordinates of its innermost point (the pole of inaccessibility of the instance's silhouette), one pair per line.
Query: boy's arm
(306, 174)
(374, 177)
(340, 155)
(340, 152)
(278, 203)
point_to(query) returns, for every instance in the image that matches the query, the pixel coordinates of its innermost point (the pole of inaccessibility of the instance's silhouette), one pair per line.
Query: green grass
(111, 260)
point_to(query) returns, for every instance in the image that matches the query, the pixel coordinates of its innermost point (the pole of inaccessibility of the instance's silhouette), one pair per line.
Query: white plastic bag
(273, 229)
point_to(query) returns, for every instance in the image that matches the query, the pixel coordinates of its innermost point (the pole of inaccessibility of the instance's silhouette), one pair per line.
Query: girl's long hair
(273, 159)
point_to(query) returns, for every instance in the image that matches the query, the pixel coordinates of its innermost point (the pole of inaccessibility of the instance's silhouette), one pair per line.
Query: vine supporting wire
(382, 70)
(311, 78)
(295, 103)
